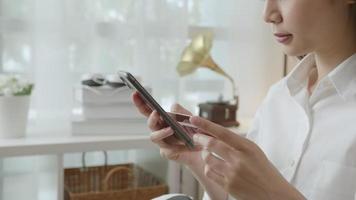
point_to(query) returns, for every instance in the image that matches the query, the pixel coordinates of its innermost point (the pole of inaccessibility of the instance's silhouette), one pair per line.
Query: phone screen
(179, 130)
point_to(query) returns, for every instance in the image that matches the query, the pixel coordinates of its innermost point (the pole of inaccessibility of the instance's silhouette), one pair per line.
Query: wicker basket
(114, 182)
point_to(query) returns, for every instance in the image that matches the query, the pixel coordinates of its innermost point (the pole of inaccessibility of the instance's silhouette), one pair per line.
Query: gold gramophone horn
(197, 54)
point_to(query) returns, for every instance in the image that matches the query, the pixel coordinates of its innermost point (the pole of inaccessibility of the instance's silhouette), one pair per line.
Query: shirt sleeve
(254, 132)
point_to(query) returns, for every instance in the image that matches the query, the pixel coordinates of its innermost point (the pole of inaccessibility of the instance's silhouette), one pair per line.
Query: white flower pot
(13, 116)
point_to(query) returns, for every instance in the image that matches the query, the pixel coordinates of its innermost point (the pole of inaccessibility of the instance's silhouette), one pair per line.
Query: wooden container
(114, 182)
(219, 112)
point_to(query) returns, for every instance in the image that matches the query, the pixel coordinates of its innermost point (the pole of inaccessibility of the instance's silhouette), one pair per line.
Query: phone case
(179, 130)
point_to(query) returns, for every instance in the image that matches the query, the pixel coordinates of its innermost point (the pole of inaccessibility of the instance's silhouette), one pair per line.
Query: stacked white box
(106, 111)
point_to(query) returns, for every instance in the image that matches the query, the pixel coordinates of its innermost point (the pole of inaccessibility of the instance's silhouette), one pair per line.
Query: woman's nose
(271, 13)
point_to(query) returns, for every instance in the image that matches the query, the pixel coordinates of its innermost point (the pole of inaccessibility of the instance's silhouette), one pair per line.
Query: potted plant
(14, 105)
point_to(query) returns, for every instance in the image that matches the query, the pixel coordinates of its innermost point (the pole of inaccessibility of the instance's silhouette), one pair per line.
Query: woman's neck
(328, 60)
(325, 63)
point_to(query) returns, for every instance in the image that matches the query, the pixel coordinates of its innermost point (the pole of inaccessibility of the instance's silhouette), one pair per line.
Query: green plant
(14, 86)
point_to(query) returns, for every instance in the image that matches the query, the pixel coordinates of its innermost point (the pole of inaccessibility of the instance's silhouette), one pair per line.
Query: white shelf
(59, 145)
(45, 145)
(70, 144)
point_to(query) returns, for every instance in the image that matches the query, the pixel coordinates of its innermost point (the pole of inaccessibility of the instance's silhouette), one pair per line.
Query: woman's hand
(170, 147)
(240, 166)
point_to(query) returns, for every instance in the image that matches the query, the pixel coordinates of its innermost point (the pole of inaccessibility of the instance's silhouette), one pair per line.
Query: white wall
(259, 61)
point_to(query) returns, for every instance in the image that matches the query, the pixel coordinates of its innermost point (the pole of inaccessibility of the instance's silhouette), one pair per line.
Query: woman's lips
(282, 37)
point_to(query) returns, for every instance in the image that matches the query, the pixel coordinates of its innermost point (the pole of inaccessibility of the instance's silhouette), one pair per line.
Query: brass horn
(197, 54)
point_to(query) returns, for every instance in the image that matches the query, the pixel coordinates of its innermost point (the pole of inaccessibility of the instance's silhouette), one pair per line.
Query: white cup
(13, 116)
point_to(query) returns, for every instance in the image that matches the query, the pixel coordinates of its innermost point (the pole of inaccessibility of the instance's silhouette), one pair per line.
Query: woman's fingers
(215, 163)
(158, 136)
(173, 153)
(214, 176)
(169, 154)
(221, 133)
(212, 144)
(215, 168)
(154, 121)
(164, 138)
(141, 105)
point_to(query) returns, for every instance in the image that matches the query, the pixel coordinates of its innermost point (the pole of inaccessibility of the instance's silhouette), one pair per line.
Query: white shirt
(312, 139)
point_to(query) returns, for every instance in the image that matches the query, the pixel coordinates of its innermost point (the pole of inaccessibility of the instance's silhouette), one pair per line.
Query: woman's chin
(292, 51)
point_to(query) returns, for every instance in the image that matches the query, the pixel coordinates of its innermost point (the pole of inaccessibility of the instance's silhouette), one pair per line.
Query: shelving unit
(61, 145)
(70, 144)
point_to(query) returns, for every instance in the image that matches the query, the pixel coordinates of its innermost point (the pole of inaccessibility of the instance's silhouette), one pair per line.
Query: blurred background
(55, 42)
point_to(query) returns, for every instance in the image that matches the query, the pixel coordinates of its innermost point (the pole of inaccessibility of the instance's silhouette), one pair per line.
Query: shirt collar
(343, 77)
(298, 77)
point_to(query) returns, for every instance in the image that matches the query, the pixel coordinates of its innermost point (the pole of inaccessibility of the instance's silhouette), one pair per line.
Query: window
(54, 42)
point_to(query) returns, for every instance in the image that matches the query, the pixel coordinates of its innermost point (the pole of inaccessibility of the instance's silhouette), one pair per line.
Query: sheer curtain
(54, 42)
(70, 38)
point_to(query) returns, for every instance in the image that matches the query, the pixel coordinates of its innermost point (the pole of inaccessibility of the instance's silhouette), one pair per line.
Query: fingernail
(167, 129)
(155, 113)
(162, 134)
(195, 120)
(164, 131)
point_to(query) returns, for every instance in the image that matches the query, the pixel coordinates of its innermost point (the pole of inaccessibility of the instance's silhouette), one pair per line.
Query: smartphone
(183, 120)
(177, 122)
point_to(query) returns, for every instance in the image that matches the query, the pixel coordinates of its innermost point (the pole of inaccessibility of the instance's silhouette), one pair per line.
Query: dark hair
(353, 13)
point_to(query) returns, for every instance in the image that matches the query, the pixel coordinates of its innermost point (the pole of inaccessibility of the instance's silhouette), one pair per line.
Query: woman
(303, 141)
